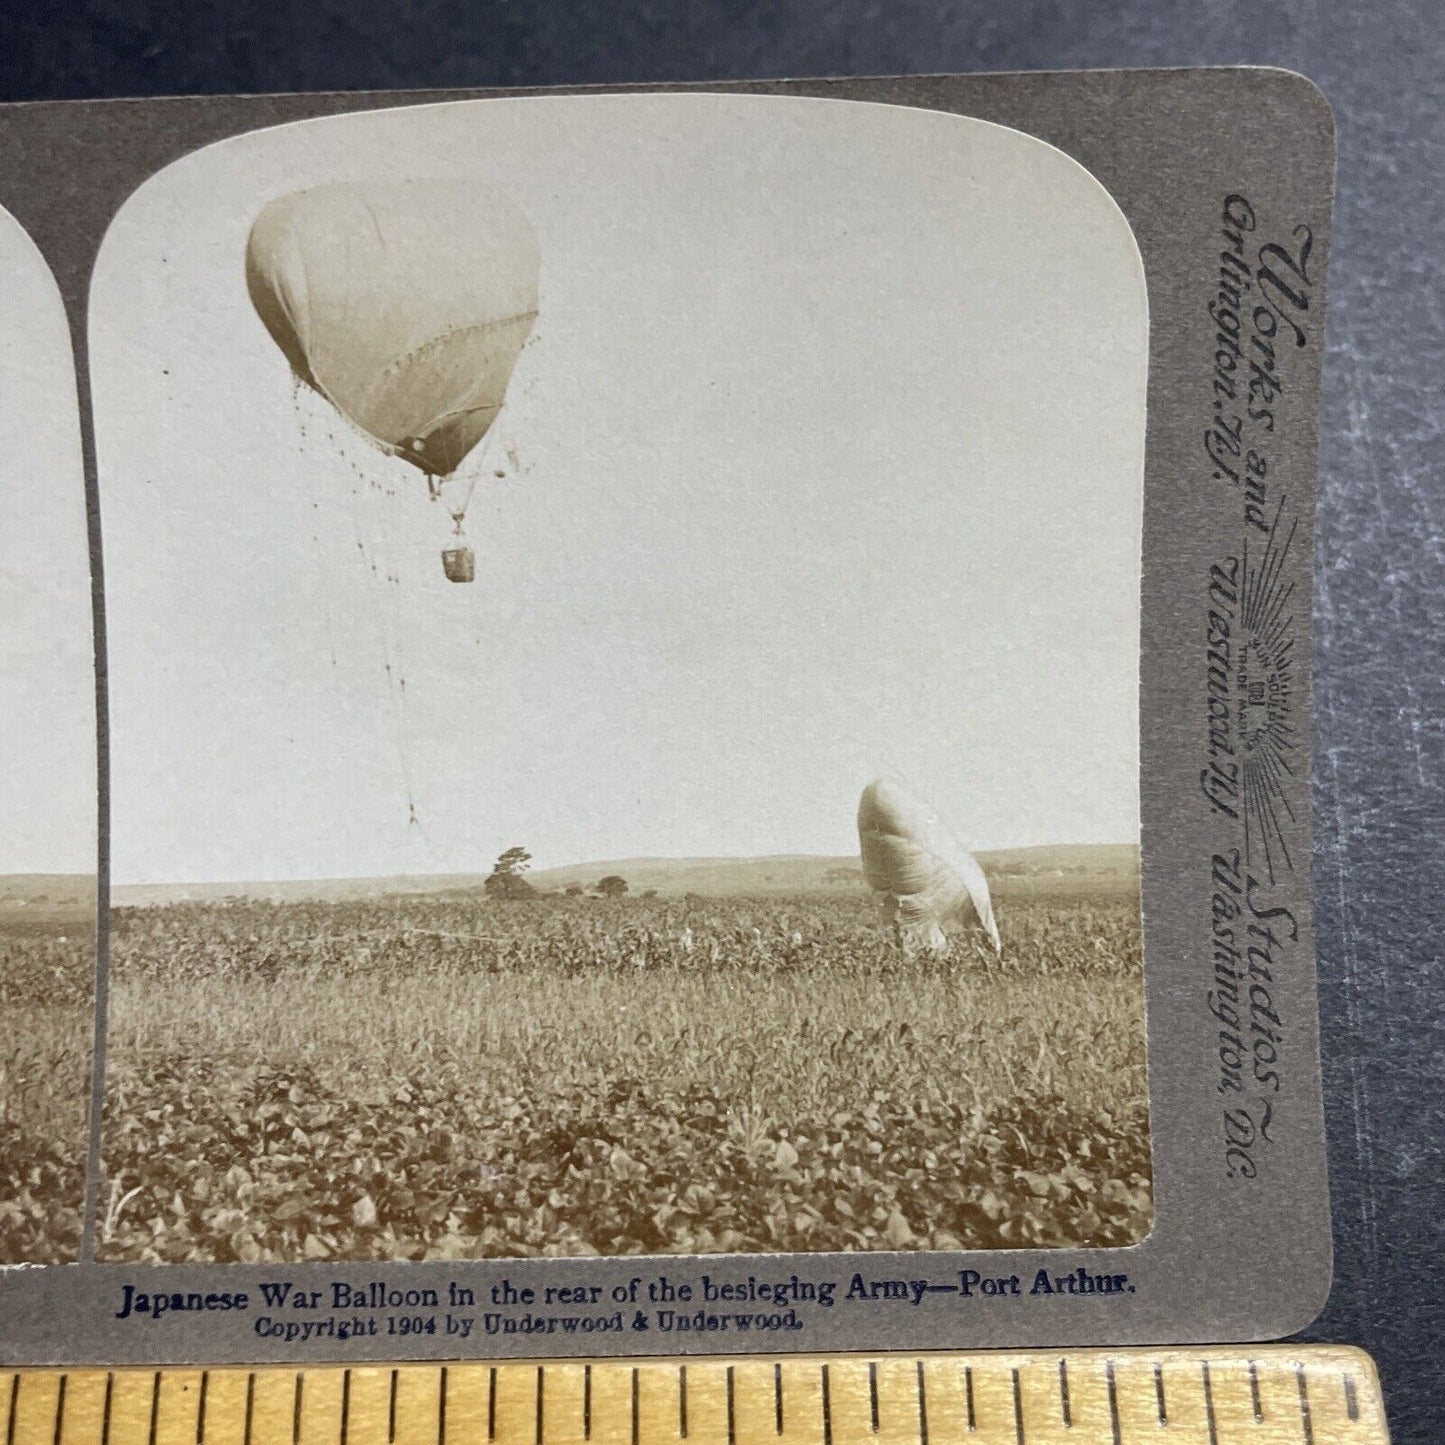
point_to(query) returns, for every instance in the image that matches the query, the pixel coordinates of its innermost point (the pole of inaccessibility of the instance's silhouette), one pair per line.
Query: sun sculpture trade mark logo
(1265, 699)
(1252, 671)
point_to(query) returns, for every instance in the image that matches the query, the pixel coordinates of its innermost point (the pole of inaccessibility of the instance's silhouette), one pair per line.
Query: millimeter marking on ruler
(1271, 1395)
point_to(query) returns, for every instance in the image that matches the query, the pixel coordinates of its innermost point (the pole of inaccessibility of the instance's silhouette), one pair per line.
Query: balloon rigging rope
(459, 514)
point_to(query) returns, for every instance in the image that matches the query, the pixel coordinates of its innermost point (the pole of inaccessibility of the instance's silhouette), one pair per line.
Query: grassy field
(431, 1077)
(47, 967)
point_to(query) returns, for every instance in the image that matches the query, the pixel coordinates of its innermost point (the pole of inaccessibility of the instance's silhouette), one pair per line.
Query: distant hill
(713, 877)
(46, 902)
(295, 890)
(1061, 867)
(792, 873)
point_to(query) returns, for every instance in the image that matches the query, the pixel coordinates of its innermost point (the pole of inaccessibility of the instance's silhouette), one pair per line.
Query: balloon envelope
(924, 873)
(405, 306)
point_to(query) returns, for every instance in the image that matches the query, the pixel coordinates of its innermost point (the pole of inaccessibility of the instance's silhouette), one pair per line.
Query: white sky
(47, 669)
(832, 436)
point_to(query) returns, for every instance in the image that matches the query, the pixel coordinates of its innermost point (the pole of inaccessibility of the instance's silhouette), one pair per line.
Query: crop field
(451, 1076)
(46, 985)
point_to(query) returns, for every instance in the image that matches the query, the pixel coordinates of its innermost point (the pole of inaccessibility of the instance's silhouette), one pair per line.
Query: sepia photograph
(47, 772)
(623, 637)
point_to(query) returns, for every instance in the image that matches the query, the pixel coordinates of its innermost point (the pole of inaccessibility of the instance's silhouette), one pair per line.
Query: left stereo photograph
(47, 772)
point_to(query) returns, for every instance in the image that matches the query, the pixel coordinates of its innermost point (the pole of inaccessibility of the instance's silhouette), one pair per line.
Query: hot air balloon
(405, 306)
(924, 873)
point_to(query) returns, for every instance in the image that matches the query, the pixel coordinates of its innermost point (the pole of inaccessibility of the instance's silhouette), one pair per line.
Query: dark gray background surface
(1380, 675)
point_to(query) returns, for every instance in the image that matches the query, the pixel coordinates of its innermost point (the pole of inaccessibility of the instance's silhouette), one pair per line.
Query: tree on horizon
(506, 879)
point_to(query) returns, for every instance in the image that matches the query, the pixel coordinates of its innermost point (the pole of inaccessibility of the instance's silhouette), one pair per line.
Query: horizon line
(484, 871)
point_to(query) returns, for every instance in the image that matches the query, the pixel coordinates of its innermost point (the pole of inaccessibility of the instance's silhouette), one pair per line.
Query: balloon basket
(460, 564)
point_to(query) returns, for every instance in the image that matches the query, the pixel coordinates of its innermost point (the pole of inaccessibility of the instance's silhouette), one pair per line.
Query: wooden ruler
(1266, 1395)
